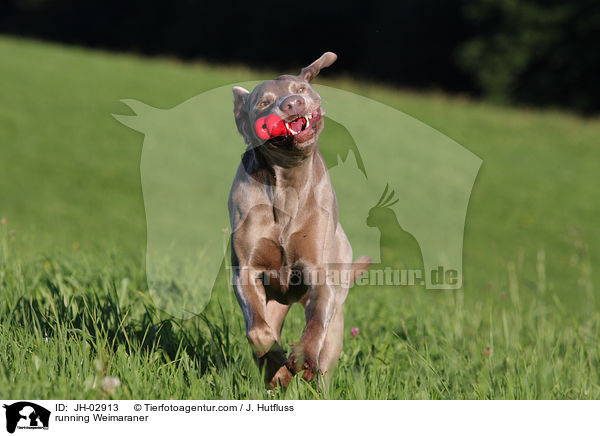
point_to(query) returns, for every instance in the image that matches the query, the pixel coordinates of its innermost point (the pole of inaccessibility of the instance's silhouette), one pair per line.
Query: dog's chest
(286, 202)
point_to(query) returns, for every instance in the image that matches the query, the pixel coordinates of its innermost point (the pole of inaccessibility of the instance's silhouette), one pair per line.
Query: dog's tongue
(297, 124)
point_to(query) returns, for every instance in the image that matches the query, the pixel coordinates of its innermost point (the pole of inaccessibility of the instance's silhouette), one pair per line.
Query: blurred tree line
(540, 52)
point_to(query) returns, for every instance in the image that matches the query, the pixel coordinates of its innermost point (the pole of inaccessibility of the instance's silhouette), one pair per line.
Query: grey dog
(286, 237)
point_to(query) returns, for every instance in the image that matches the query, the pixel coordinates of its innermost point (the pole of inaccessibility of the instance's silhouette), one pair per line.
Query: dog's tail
(359, 267)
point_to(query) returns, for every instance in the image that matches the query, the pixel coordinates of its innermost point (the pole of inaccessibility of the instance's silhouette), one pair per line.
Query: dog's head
(292, 99)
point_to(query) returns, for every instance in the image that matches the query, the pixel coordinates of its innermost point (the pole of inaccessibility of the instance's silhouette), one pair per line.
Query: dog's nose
(293, 105)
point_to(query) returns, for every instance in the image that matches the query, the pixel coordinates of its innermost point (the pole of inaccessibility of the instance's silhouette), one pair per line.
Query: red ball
(260, 127)
(276, 126)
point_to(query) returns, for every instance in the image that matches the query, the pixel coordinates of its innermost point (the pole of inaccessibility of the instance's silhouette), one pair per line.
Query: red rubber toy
(260, 127)
(276, 126)
(270, 127)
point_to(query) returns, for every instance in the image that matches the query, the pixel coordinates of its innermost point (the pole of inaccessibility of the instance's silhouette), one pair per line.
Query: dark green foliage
(538, 52)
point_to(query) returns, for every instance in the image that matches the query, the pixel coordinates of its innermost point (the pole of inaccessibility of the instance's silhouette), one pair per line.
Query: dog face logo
(25, 415)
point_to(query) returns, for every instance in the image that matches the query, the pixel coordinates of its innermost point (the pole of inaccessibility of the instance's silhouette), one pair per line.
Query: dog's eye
(301, 89)
(264, 103)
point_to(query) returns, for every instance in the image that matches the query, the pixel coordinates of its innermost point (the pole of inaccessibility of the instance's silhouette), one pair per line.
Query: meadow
(76, 316)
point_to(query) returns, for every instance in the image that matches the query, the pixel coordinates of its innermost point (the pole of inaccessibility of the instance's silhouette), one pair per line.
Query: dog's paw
(310, 371)
(293, 363)
(282, 377)
(301, 362)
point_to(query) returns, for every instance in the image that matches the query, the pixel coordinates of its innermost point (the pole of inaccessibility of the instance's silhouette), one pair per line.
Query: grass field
(74, 311)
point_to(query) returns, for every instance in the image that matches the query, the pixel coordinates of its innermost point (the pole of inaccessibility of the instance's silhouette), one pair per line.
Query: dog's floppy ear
(240, 97)
(310, 72)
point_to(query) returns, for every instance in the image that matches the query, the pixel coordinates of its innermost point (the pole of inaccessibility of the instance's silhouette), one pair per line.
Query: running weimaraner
(287, 244)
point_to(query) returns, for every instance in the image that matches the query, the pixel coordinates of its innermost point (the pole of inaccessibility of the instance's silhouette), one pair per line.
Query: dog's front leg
(263, 339)
(319, 310)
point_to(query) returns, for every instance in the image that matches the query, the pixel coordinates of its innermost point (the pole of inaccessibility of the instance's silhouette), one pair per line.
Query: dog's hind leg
(332, 347)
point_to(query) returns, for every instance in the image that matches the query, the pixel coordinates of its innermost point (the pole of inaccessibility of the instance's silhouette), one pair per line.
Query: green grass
(74, 308)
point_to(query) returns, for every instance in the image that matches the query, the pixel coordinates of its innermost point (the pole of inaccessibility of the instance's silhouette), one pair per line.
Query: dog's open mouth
(287, 133)
(302, 128)
(296, 126)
